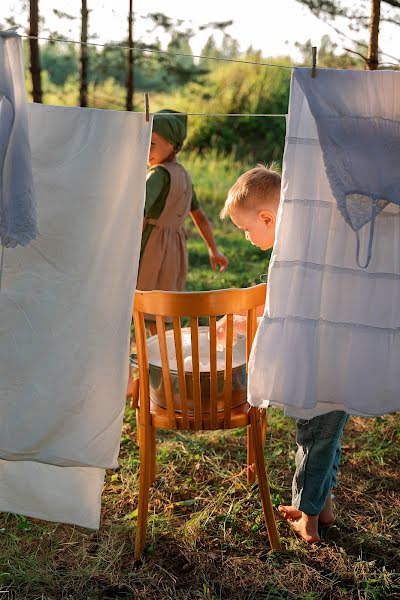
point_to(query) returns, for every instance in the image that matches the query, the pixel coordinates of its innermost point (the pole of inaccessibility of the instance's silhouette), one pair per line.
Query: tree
(373, 35)
(34, 50)
(83, 91)
(60, 61)
(210, 49)
(358, 12)
(328, 56)
(130, 88)
(359, 18)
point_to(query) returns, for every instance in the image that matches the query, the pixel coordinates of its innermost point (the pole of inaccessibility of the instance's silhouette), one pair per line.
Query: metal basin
(239, 376)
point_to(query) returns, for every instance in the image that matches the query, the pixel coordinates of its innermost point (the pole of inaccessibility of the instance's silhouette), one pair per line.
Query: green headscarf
(171, 127)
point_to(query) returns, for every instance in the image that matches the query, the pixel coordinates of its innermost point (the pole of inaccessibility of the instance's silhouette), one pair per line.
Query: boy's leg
(327, 516)
(317, 461)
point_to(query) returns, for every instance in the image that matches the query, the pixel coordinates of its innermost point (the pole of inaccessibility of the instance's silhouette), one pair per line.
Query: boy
(252, 205)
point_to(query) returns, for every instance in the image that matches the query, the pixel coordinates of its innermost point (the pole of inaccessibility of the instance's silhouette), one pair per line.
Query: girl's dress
(164, 260)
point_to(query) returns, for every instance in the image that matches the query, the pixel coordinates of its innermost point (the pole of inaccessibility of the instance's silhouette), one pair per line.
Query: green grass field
(206, 536)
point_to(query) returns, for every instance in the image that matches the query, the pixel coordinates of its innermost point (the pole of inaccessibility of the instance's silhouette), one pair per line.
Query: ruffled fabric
(359, 132)
(18, 223)
(330, 336)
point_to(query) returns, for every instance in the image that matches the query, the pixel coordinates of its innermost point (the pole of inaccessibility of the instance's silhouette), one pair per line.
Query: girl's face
(160, 150)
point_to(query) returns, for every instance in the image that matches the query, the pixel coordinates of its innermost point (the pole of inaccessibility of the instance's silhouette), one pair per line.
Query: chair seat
(239, 418)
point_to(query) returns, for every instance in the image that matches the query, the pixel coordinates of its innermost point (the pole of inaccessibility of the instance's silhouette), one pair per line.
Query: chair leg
(153, 465)
(138, 426)
(264, 428)
(135, 404)
(266, 502)
(251, 473)
(144, 488)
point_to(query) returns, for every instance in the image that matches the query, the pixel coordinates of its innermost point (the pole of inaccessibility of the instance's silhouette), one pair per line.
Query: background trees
(110, 75)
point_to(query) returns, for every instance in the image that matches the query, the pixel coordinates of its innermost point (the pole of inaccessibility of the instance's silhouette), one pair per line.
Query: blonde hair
(253, 189)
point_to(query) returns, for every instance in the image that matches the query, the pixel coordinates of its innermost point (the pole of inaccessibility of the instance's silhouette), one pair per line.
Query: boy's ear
(267, 217)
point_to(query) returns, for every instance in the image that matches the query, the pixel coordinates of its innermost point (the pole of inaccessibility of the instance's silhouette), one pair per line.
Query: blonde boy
(252, 204)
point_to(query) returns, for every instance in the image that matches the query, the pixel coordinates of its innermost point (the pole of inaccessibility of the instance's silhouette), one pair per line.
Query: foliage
(236, 88)
(358, 13)
(60, 61)
(356, 16)
(328, 56)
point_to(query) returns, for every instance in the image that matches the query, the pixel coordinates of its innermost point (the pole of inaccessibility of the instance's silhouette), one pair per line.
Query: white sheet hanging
(62, 494)
(65, 311)
(330, 336)
(17, 202)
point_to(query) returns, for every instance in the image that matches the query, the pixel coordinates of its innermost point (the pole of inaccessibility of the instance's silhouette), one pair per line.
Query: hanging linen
(359, 133)
(63, 494)
(65, 310)
(17, 202)
(330, 335)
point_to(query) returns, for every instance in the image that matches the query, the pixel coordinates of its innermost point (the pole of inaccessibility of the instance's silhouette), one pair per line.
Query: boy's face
(258, 225)
(160, 150)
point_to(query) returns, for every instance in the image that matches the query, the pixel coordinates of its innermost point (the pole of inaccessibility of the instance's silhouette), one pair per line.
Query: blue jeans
(317, 460)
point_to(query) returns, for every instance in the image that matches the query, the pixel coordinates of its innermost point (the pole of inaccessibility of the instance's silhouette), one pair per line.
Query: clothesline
(182, 54)
(230, 114)
(156, 51)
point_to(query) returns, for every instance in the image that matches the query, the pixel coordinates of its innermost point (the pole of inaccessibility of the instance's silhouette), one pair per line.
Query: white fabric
(330, 336)
(65, 310)
(62, 494)
(17, 203)
(359, 134)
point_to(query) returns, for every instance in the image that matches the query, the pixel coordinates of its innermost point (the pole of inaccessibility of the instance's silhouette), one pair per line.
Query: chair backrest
(194, 305)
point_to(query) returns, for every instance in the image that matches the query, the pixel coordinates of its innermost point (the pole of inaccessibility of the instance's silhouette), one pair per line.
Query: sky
(273, 26)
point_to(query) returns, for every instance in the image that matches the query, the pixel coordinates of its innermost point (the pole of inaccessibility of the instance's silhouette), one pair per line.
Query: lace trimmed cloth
(17, 201)
(330, 336)
(358, 125)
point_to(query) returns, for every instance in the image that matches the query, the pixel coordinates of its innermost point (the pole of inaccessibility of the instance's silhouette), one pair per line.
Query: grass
(206, 536)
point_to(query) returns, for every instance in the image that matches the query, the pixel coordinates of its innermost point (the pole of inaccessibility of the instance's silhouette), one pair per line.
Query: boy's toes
(289, 512)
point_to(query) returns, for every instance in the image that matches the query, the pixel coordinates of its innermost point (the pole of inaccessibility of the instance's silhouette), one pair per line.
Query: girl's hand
(218, 260)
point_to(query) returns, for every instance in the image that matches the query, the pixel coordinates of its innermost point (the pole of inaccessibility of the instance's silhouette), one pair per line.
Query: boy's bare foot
(327, 516)
(306, 526)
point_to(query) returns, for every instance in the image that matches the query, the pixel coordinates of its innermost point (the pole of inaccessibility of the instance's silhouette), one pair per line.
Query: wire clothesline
(200, 114)
(189, 114)
(156, 51)
(182, 54)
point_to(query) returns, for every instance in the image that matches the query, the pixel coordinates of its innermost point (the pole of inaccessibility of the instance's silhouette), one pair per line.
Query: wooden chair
(193, 305)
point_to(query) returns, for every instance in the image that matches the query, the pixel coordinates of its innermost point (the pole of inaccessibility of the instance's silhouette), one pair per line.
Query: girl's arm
(204, 228)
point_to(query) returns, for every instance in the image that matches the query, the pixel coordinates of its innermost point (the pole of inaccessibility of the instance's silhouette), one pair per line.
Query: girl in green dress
(170, 198)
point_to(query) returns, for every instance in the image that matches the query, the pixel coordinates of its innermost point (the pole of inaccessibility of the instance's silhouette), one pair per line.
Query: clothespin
(314, 62)
(146, 107)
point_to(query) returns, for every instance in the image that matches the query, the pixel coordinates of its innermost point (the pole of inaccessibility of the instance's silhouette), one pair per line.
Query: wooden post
(373, 35)
(83, 90)
(34, 50)
(130, 72)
